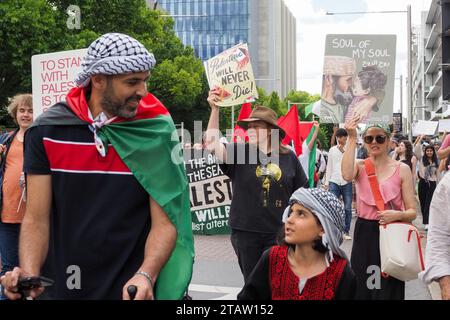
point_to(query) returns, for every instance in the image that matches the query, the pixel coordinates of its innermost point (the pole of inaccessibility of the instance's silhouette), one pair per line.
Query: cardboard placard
(358, 78)
(231, 73)
(444, 125)
(423, 127)
(53, 76)
(210, 193)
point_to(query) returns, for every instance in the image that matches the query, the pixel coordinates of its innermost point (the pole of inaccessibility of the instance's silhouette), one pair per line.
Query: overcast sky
(313, 25)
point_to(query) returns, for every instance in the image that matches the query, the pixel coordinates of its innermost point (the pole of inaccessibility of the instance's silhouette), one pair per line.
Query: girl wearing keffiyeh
(309, 264)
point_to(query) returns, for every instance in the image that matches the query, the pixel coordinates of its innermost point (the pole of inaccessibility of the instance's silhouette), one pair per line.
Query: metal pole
(401, 93)
(182, 133)
(410, 113)
(232, 121)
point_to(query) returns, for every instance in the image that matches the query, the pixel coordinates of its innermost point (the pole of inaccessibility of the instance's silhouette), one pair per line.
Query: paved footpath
(217, 275)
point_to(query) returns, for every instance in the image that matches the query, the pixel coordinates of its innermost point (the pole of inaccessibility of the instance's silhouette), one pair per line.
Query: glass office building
(267, 26)
(209, 26)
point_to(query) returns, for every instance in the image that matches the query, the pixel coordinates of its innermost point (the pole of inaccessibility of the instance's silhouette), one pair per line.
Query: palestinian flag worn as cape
(149, 145)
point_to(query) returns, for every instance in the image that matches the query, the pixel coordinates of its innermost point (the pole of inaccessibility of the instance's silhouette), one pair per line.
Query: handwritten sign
(358, 78)
(53, 76)
(210, 194)
(231, 74)
(427, 128)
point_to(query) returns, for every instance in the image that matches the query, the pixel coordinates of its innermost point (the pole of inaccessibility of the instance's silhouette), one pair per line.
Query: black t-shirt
(100, 214)
(261, 187)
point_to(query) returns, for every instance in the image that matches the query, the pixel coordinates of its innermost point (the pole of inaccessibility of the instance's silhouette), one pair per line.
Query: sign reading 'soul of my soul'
(53, 76)
(358, 78)
(231, 74)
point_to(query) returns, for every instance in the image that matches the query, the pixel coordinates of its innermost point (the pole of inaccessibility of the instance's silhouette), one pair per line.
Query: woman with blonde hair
(11, 179)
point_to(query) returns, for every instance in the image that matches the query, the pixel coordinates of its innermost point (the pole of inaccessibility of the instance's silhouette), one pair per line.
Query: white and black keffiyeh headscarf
(114, 53)
(330, 212)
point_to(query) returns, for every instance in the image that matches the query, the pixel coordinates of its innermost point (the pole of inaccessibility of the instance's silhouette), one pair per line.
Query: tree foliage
(31, 27)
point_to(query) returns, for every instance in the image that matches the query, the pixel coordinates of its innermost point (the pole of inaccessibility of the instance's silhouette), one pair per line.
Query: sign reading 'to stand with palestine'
(210, 193)
(53, 76)
(231, 73)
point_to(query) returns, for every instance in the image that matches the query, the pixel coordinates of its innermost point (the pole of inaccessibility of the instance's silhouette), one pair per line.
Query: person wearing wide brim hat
(263, 176)
(261, 113)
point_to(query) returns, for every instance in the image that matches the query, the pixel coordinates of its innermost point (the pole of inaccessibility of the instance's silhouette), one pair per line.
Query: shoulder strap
(373, 181)
(4, 137)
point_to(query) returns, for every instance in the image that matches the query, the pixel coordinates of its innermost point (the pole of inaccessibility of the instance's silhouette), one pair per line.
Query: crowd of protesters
(131, 216)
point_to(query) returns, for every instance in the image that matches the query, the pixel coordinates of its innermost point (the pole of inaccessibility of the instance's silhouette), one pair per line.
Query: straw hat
(261, 113)
(339, 66)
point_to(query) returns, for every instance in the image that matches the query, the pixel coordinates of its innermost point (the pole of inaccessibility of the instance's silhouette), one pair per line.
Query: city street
(217, 275)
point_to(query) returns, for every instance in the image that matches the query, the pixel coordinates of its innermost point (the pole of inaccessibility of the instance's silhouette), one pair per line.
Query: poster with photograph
(231, 73)
(358, 78)
(397, 121)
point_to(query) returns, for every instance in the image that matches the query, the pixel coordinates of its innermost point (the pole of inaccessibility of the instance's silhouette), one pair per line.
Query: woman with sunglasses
(396, 186)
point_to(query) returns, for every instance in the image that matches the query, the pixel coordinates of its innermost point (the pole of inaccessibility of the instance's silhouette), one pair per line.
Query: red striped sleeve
(80, 157)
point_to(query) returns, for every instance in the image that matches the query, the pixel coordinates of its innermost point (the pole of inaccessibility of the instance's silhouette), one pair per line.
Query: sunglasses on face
(379, 139)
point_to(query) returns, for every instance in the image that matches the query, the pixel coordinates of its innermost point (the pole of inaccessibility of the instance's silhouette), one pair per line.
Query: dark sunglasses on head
(379, 139)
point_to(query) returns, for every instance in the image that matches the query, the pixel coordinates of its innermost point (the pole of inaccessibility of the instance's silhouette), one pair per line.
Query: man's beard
(343, 98)
(114, 108)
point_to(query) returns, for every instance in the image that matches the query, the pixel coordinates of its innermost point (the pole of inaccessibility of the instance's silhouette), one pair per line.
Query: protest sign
(444, 125)
(210, 194)
(53, 76)
(231, 73)
(397, 121)
(423, 127)
(358, 78)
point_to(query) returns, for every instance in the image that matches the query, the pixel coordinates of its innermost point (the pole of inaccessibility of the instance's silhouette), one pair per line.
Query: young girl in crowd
(309, 264)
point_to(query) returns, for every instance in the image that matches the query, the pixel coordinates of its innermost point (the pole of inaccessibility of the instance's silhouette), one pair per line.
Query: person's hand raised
(351, 126)
(213, 98)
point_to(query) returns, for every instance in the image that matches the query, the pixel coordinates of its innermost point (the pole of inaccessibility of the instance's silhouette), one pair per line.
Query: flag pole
(232, 121)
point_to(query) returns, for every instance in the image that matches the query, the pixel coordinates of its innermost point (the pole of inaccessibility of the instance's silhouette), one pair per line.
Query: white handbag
(401, 251)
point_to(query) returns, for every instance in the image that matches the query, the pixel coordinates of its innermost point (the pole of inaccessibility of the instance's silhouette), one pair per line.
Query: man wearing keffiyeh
(105, 190)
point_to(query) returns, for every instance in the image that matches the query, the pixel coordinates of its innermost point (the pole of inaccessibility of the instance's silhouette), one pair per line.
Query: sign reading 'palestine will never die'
(231, 74)
(210, 195)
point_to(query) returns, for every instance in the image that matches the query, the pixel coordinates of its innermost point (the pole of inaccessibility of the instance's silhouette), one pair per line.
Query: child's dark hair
(372, 78)
(317, 243)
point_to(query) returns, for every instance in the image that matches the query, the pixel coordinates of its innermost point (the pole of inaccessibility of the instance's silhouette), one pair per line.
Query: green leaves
(30, 27)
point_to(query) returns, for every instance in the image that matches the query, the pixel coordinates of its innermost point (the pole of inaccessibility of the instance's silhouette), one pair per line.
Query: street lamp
(408, 22)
